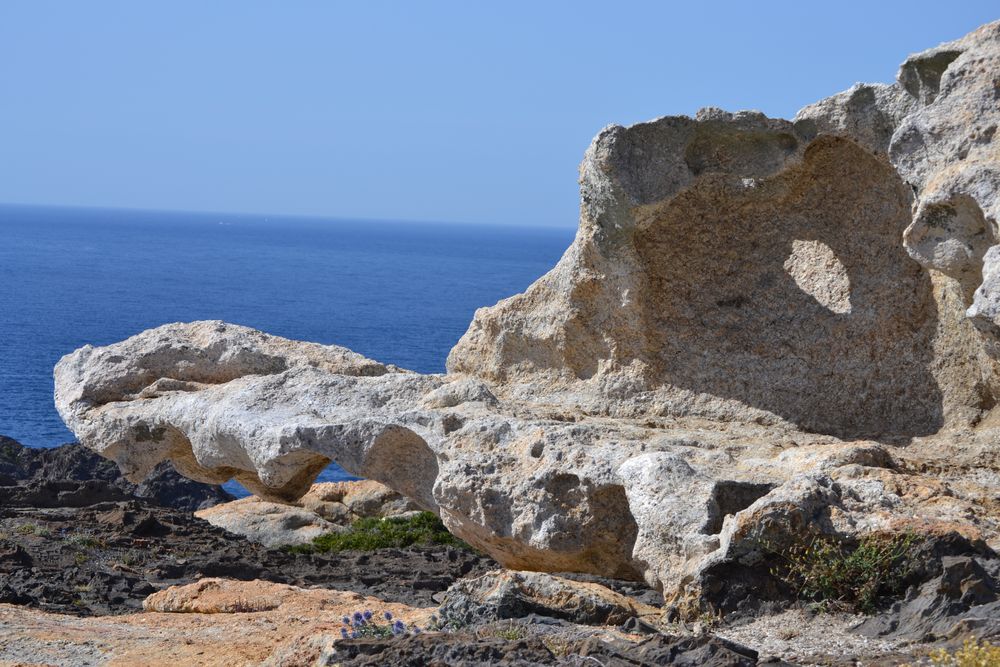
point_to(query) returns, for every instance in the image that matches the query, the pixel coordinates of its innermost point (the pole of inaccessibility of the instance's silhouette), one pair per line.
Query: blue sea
(399, 292)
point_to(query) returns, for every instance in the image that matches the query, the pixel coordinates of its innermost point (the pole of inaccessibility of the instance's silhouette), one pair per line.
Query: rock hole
(921, 77)
(451, 423)
(817, 272)
(729, 497)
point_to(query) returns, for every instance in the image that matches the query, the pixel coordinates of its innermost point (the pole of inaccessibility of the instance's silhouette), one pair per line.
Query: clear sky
(452, 111)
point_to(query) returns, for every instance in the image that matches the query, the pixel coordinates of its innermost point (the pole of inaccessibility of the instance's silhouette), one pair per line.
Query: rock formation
(764, 329)
(327, 507)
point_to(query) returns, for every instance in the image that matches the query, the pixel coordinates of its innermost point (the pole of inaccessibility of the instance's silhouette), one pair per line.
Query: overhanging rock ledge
(763, 327)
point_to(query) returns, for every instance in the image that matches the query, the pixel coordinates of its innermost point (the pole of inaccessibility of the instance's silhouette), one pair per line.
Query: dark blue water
(402, 293)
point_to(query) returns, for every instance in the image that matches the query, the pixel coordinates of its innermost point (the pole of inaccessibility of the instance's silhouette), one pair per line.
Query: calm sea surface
(402, 293)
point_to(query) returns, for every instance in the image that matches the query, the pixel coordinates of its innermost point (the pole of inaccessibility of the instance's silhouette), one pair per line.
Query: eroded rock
(761, 323)
(506, 594)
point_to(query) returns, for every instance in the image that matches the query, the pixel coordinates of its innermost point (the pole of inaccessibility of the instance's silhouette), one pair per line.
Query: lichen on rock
(764, 328)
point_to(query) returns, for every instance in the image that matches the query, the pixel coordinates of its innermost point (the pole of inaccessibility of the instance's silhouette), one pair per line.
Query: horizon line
(290, 216)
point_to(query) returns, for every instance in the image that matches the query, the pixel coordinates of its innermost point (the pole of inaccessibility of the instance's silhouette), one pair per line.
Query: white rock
(736, 347)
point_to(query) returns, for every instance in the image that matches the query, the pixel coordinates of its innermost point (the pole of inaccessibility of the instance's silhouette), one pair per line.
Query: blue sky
(450, 111)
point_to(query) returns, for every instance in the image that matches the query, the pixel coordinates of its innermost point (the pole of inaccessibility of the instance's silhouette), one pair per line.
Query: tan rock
(268, 523)
(226, 596)
(327, 507)
(368, 498)
(223, 623)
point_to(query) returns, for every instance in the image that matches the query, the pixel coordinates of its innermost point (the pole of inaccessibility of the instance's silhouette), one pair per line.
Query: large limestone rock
(764, 328)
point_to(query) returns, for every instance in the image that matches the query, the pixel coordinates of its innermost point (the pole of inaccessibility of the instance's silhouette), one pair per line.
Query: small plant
(443, 622)
(80, 558)
(26, 529)
(8, 453)
(850, 578)
(972, 654)
(510, 631)
(366, 624)
(560, 647)
(118, 558)
(370, 534)
(84, 540)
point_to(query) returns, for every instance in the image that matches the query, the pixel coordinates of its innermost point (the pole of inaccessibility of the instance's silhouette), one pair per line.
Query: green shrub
(850, 577)
(972, 654)
(370, 534)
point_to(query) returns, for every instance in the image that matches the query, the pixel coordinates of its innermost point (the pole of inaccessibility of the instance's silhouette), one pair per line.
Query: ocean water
(402, 293)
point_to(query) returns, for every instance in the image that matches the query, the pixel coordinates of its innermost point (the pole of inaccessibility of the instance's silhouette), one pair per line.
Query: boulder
(343, 502)
(327, 507)
(506, 594)
(764, 329)
(267, 523)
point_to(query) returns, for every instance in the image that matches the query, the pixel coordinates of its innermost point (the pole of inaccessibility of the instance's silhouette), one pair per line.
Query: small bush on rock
(370, 534)
(849, 578)
(366, 624)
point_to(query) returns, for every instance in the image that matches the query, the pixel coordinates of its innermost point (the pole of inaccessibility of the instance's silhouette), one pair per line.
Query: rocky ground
(94, 573)
(96, 549)
(764, 380)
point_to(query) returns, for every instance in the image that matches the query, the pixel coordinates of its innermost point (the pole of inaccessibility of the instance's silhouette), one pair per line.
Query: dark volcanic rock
(73, 476)
(466, 650)
(76, 537)
(107, 557)
(963, 597)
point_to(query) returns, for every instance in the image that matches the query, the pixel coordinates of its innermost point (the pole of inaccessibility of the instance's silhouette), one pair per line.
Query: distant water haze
(399, 292)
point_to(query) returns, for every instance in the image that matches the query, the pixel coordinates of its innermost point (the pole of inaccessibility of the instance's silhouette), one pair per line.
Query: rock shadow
(794, 294)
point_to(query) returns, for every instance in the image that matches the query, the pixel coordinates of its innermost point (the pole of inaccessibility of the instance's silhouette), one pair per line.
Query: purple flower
(355, 635)
(416, 630)
(343, 633)
(358, 616)
(346, 620)
(398, 627)
(388, 615)
(368, 614)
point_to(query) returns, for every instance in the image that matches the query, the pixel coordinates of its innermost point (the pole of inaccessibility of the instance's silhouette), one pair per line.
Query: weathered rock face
(764, 327)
